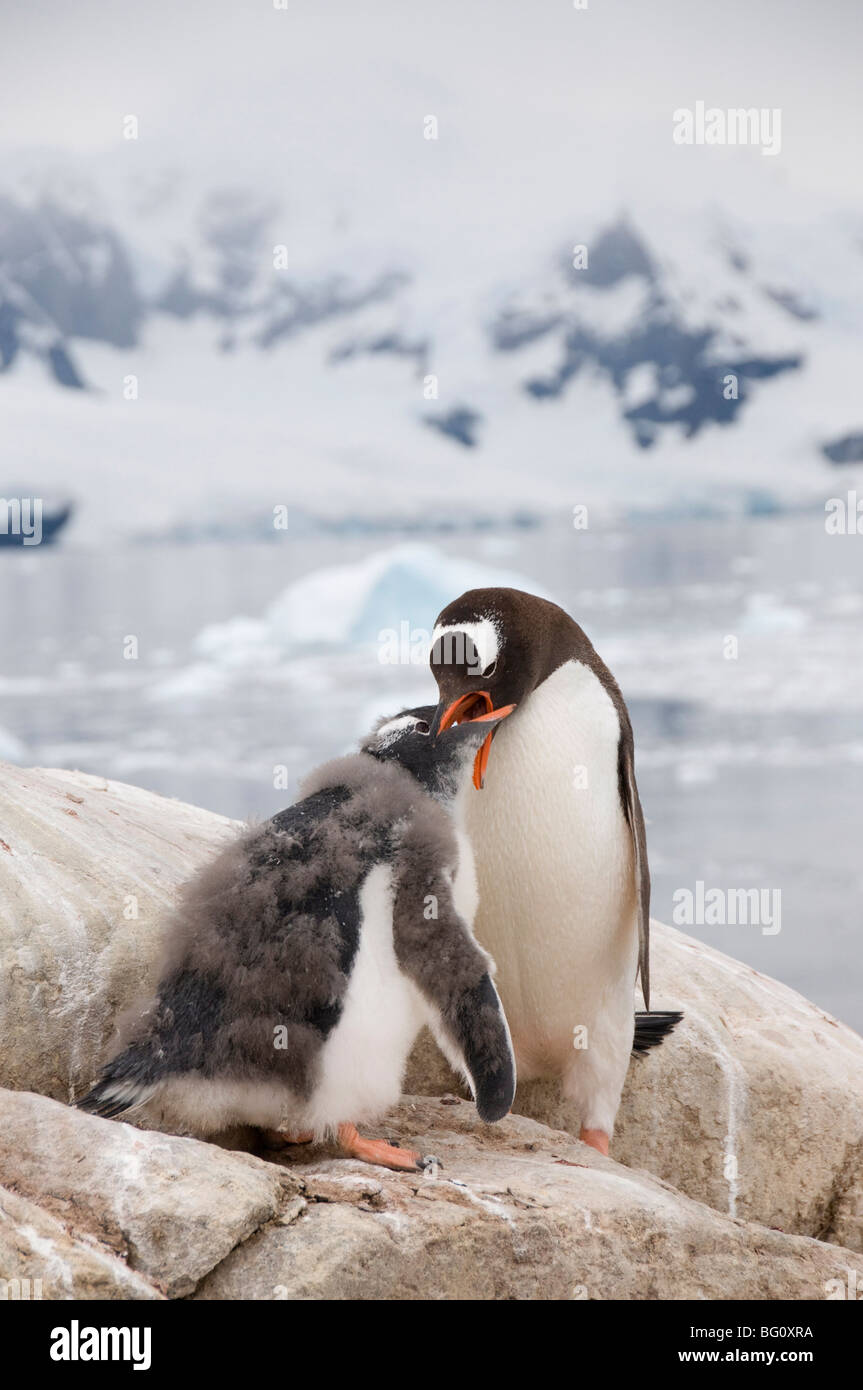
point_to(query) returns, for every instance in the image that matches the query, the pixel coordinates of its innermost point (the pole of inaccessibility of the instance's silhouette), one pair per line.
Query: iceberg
(401, 588)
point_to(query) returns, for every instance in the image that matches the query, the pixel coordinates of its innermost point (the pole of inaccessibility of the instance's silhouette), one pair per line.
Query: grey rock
(754, 1105)
(89, 870)
(518, 1211)
(171, 1208)
(40, 1259)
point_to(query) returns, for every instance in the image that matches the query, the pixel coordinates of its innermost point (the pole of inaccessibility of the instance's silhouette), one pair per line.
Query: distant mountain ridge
(671, 341)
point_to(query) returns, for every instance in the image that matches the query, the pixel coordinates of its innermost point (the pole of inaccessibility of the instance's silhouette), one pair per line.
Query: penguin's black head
(491, 648)
(440, 759)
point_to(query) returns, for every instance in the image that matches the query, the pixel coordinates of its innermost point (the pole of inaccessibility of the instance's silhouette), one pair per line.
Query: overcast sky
(535, 99)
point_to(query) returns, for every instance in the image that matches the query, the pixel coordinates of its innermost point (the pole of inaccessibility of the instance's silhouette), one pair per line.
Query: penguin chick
(304, 960)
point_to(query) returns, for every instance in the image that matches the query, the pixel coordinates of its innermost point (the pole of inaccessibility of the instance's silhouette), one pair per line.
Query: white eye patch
(393, 727)
(453, 648)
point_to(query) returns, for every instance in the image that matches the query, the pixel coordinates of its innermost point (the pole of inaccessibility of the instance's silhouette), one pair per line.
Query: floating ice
(401, 590)
(12, 750)
(768, 615)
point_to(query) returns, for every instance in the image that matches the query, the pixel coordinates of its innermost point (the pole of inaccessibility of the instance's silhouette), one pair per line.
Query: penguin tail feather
(109, 1099)
(653, 1028)
(119, 1088)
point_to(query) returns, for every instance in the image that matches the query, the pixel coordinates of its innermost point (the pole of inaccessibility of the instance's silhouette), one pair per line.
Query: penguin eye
(421, 727)
(490, 669)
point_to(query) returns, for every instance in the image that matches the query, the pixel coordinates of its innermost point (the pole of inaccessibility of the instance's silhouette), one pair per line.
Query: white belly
(364, 1056)
(554, 861)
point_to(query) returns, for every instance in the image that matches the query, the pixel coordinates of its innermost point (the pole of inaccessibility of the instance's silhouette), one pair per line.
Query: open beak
(476, 707)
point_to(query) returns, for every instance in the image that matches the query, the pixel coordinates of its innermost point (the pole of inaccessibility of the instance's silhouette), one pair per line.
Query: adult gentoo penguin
(304, 960)
(559, 839)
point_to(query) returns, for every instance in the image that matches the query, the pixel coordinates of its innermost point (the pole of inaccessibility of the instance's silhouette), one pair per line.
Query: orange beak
(459, 713)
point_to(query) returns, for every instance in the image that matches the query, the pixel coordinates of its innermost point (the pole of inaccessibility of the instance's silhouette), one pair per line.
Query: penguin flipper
(453, 974)
(635, 819)
(478, 1037)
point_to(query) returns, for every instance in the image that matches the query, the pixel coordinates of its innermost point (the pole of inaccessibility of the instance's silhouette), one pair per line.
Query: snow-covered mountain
(178, 360)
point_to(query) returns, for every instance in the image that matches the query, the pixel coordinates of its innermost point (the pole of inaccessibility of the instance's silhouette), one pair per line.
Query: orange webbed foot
(596, 1138)
(283, 1138)
(379, 1151)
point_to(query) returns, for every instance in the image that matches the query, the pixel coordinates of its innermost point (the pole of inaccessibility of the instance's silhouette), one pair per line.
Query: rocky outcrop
(88, 871)
(170, 1208)
(752, 1112)
(98, 1209)
(754, 1105)
(40, 1258)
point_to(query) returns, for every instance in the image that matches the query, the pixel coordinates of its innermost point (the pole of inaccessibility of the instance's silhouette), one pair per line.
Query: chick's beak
(476, 707)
